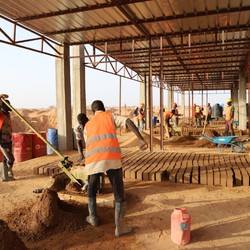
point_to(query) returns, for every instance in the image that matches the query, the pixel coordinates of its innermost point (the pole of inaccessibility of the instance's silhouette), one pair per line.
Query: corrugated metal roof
(203, 40)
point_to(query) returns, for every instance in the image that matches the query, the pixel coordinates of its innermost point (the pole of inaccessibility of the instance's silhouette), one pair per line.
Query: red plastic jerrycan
(180, 226)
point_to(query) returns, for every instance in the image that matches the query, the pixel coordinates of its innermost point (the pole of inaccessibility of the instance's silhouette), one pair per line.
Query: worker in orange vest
(167, 117)
(229, 117)
(103, 154)
(6, 140)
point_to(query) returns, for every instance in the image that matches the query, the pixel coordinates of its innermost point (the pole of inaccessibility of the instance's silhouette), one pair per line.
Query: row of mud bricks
(214, 170)
(48, 169)
(198, 131)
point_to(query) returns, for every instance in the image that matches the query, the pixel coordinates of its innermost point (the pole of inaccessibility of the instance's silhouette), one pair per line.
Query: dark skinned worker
(103, 155)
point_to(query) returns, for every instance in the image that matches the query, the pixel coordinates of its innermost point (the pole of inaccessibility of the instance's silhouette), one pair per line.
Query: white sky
(29, 79)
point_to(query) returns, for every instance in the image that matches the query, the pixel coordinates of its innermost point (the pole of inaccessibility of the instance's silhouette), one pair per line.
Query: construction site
(180, 48)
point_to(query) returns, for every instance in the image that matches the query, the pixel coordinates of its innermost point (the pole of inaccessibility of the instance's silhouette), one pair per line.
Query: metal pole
(161, 104)
(248, 87)
(150, 96)
(120, 95)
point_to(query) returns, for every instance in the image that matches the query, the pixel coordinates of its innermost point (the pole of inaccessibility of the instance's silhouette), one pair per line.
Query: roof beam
(198, 32)
(76, 10)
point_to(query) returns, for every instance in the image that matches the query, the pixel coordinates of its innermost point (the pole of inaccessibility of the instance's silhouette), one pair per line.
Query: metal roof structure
(205, 43)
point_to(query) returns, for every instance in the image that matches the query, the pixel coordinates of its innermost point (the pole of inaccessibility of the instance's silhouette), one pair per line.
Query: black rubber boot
(10, 172)
(120, 228)
(4, 172)
(92, 218)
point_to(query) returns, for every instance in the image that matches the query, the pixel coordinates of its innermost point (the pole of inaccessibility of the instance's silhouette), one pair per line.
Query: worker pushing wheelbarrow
(223, 141)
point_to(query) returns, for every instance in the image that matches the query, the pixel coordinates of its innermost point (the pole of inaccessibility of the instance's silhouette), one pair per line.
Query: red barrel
(180, 226)
(22, 146)
(39, 147)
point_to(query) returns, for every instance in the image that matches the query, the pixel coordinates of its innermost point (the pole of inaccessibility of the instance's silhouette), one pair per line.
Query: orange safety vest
(102, 144)
(2, 117)
(168, 114)
(229, 113)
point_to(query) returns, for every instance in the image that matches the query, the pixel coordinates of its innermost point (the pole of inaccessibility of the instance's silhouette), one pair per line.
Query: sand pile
(9, 239)
(49, 215)
(133, 141)
(41, 120)
(206, 143)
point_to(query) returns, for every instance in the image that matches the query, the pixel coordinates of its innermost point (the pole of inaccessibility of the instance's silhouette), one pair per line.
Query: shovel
(64, 164)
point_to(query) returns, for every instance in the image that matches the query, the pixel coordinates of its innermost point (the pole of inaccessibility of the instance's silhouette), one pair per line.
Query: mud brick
(216, 172)
(161, 176)
(152, 166)
(133, 172)
(36, 169)
(210, 175)
(223, 175)
(154, 157)
(187, 175)
(161, 167)
(57, 170)
(245, 175)
(203, 175)
(195, 175)
(51, 170)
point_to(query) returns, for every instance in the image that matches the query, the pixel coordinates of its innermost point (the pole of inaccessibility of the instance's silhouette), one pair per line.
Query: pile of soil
(9, 239)
(49, 215)
(204, 143)
(212, 133)
(181, 139)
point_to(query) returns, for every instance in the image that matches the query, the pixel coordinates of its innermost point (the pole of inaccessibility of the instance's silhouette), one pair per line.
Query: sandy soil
(219, 215)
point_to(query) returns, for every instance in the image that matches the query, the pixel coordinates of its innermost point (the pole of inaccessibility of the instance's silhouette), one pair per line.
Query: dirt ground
(219, 215)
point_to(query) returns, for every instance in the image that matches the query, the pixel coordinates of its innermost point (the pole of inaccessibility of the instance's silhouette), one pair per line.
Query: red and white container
(22, 146)
(39, 147)
(180, 226)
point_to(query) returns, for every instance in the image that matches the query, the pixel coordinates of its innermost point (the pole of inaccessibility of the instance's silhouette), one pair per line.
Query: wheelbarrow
(223, 141)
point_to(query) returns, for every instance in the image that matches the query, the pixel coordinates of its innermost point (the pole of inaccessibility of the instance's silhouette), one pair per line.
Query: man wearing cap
(229, 117)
